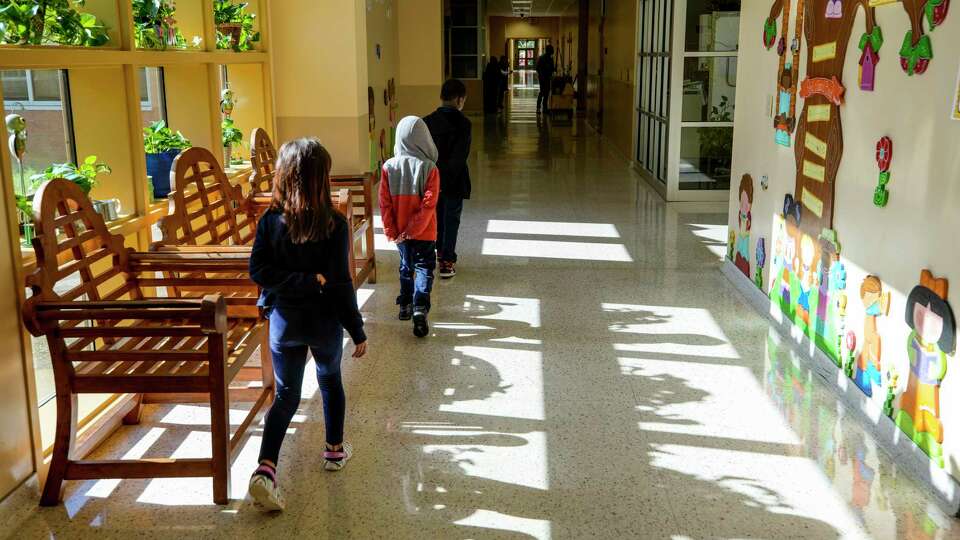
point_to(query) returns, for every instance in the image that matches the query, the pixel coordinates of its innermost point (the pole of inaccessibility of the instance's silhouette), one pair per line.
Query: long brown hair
(301, 190)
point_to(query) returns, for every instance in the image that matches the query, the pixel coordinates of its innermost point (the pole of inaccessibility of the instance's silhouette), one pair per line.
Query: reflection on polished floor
(590, 374)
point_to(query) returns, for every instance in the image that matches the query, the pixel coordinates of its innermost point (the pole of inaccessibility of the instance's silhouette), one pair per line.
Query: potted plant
(155, 26)
(234, 26)
(84, 175)
(230, 136)
(716, 143)
(162, 145)
(38, 22)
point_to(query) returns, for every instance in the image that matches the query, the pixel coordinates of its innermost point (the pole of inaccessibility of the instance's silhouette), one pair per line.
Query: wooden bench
(207, 210)
(112, 334)
(263, 157)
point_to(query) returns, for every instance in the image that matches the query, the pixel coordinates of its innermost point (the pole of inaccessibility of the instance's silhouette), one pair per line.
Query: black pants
(544, 96)
(448, 227)
(418, 258)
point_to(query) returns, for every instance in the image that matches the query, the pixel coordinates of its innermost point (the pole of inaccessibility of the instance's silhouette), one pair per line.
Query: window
(653, 80)
(526, 54)
(465, 36)
(153, 100)
(709, 93)
(41, 97)
(31, 89)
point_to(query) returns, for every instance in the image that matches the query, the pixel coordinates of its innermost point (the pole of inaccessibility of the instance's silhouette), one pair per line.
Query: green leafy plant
(25, 205)
(155, 25)
(234, 26)
(230, 133)
(38, 22)
(716, 143)
(158, 138)
(84, 175)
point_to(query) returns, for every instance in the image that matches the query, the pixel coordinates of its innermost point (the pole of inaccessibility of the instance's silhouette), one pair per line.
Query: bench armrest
(208, 313)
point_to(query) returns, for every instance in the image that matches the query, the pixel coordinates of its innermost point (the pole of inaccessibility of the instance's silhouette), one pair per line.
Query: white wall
(919, 227)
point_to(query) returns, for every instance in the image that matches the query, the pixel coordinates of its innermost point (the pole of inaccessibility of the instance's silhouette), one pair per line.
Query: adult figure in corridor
(545, 70)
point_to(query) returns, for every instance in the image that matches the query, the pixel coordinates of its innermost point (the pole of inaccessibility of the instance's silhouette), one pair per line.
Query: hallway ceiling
(530, 8)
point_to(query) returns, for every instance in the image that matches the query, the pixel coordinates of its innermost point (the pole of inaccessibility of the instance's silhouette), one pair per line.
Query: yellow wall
(381, 20)
(500, 29)
(917, 228)
(319, 52)
(419, 55)
(246, 80)
(618, 82)
(188, 107)
(99, 121)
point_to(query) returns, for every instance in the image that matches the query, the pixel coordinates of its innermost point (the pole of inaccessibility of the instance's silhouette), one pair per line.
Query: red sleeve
(386, 207)
(428, 204)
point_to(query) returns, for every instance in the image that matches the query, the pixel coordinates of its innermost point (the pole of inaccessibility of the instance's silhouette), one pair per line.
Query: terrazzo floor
(589, 374)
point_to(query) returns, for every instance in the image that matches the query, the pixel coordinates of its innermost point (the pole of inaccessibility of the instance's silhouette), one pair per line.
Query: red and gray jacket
(410, 184)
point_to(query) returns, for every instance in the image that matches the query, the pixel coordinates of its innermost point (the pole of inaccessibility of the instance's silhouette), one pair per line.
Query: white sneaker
(336, 461)
(265, 493)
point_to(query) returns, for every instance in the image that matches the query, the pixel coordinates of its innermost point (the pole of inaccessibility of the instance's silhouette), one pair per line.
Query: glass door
(526, 54)
(653, 82)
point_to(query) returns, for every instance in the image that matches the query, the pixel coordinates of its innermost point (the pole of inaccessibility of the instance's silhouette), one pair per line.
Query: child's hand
(321, 280)
(360, 349)
(402, 238)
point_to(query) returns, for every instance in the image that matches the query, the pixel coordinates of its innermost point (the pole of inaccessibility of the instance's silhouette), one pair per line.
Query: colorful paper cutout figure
(884, 156)
(828, 278)
(785, 121)
(372, 124)
(823, 90)
(932, 338)
(834, 9)
(761, 261)
(870, 43)
(742, 256)
(869, 372)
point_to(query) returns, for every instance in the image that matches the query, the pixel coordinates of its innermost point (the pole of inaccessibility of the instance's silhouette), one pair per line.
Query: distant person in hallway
(452, 134)
(504, 82)
(491, 86)
(300, 259)
(545, 70)
(409, 190)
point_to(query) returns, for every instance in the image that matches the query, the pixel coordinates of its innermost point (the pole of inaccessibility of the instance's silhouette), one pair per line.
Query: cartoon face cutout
(808, 252)
(928, 325)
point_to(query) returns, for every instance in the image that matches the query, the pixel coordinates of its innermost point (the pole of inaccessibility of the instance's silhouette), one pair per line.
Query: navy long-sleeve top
(287, 272)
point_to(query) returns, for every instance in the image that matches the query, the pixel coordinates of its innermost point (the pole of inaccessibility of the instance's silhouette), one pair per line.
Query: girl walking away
(409, 188)
(300, 259)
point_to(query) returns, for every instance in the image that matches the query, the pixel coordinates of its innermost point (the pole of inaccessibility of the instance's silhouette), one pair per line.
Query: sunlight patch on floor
(523, 310)
(522, 462)
(514, 389)
(199, 491)
(777, 484)
(553, 228)
(706, 400)
(714, 237)
(544, 249)
(103, 488)
(489, 519)
(669, 330)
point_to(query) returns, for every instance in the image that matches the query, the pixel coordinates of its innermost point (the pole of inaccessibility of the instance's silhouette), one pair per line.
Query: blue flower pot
(158, 167)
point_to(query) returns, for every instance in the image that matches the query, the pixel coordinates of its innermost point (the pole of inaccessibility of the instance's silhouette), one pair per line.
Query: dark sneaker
(406, 312)
(447, 270)
(420, 327)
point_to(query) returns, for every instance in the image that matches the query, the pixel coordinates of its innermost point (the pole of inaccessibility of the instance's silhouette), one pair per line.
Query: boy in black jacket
(451, 132)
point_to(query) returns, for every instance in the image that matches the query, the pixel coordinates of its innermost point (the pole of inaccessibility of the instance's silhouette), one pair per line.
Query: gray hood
(414, 140)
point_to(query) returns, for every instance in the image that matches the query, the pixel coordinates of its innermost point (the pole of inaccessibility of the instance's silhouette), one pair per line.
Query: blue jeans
(292, 332)
(418, 259)
(448, 226)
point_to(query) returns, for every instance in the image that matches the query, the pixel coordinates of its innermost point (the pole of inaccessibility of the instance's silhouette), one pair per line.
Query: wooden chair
(111, 334)
(263, 157)
(361, 191)
(205, 208)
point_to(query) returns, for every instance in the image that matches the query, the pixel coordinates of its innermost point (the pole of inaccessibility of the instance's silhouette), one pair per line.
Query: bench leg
(371, 254)
(219, 420)
(132, 418)
(66, 436)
